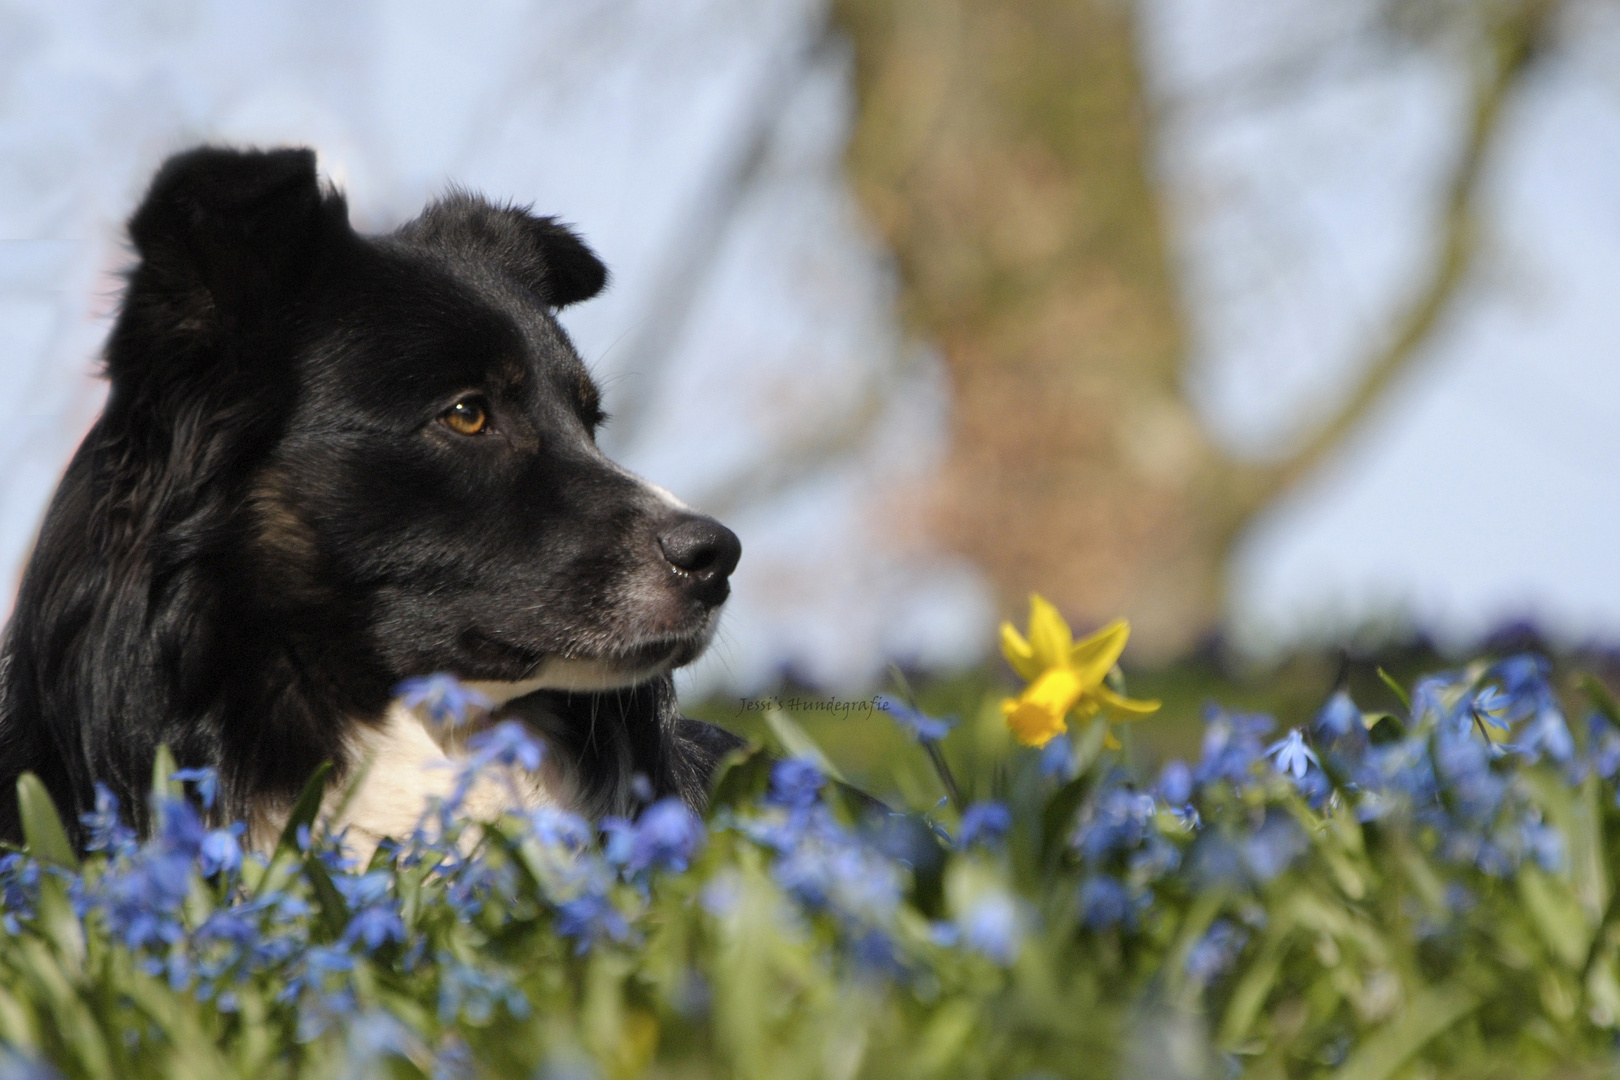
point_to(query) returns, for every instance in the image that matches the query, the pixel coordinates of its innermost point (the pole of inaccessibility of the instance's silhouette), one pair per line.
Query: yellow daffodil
(1065, 676)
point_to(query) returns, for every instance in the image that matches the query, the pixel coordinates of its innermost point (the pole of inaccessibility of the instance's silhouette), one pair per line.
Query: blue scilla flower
(374, 926)
(559, 829)
(104, 828)
(508, 743)
(180, 830)
(984, 823)
(14, 1065)
(363, 890)
(618, 839)
(446, 698)
(1058, 760)
(993, 926)
(1603, 745)
(1463, 765)
(1216, 951)
(1175, 784)
(1526, 673)
(1339, 718)
(1115, 824)
(1546, 733)
(476, 993)
(19, 889)
(667, 836)
(1231, 746)
(1105, 902)
(1273, 847)
(795, 783)
(1291, 755)
(914, 722)
(221, 851)
(590, 918)
(206, 780)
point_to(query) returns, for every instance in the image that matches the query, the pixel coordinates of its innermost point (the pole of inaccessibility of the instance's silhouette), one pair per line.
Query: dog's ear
(222, 233)
(571, 270)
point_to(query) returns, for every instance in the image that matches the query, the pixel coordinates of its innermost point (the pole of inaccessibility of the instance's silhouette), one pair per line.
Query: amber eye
(466, 417)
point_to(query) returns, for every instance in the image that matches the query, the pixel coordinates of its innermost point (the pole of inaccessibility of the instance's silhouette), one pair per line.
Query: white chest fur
(403, 763)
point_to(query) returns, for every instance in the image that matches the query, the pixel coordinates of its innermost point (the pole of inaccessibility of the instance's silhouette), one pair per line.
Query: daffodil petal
(1049, 635)
(1131, 708)
(1033, 724)
(1019, 653)
(1094, 657)
(1056, 690)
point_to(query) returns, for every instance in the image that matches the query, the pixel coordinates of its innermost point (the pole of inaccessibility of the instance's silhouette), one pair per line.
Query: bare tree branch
(1508, 52)
(695, 249)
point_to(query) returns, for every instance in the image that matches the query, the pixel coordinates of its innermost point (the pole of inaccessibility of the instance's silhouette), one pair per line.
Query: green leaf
(1557, 915)
(1400, 694)
(286, 854)
(304, 811)
(1602, 700)
(742, 776)
(42, 829)
(334, 911)
(1428, 1014)
(163, 770)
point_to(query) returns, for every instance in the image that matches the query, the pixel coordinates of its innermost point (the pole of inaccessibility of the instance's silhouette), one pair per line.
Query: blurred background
(1280, 327)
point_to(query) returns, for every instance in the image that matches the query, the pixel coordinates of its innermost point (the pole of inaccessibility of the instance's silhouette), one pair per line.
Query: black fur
(271, 524)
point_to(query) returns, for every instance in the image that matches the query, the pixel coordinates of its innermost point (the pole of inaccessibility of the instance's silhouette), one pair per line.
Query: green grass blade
(42, 828)
(1430, 1012)
(1400, 694)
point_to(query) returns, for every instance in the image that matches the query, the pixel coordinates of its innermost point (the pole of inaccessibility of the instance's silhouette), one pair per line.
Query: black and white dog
(330, 462)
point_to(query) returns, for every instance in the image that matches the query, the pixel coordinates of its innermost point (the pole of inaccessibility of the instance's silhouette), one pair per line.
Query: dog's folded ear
(222, 233)
(572, 272)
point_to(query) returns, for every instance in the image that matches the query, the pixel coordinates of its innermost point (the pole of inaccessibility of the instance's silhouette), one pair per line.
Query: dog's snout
(705, 552)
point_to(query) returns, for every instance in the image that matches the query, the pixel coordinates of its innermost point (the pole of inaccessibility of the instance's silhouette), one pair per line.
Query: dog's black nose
(705, 552)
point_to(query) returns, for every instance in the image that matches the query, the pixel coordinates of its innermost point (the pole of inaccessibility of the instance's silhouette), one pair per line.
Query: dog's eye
(466, 417)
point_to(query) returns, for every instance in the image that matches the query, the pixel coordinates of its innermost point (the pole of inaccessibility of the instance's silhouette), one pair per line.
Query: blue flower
(1231, 745)
(795, 783)
(1292, 755)
(220, 852)
(16, 1066)
(992, 925)
(984, 823)
(1116, 823)
(106, 831)
(1216, 951)
(1058, 760)
(1339, 717)
(1105, 902)
(508, 743)
(918, 725)
(446, 698)
(1603, 745)
(666, 837)
(1546, 733)
(1175, 784)
(207, 781)
(1273, 847)
(373, 926)
(560, 829)
(1491, 706)
(590, 918)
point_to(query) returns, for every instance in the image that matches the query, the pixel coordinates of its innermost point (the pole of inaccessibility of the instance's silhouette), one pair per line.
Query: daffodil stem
(1127, 747)
(945, 776)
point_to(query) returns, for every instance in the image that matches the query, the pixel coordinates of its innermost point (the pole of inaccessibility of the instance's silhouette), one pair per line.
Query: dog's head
(417, 467)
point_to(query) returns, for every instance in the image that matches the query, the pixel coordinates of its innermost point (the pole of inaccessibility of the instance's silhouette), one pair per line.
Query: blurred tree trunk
(1001, 148)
